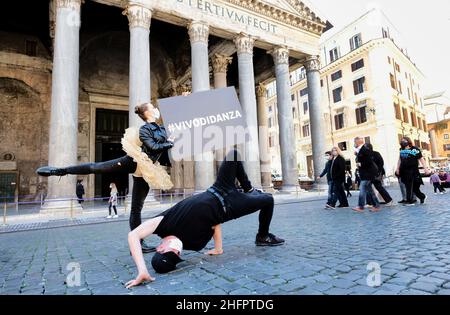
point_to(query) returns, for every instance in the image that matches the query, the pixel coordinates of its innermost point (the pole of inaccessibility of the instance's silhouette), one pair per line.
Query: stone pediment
(297, 13)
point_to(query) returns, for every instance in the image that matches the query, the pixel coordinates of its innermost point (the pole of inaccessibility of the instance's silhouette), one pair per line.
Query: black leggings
(242, 204)
(126, 165)
(114, 207)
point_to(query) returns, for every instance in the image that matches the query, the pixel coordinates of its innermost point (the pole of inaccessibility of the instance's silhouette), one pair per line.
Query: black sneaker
(47, 171)
(269, 240)
(343, 207)
(402, 201)
(422, 201)
(147, 248)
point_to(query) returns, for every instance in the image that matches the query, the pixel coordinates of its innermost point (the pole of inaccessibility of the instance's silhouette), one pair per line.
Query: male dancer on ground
(191, 223)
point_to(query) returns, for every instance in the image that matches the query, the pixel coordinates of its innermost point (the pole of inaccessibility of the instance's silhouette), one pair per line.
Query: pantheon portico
(287, 32)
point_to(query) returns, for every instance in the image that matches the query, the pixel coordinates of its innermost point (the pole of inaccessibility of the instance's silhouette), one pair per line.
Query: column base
(291, 189)
(61, 208)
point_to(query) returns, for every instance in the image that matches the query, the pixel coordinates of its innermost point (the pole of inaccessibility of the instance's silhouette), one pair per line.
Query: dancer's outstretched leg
(123, 164)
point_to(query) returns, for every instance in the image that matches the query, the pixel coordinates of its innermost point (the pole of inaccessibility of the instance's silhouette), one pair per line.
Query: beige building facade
(370, 87)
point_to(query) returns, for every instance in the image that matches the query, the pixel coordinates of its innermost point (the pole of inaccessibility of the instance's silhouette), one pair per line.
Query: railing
(13, 208)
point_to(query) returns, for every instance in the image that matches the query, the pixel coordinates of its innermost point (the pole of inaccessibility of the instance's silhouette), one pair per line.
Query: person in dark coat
(348, 183)
(337, 171)
(378, 181)
(326, 171)
(367, 171)
(79, 190)
(408, 170)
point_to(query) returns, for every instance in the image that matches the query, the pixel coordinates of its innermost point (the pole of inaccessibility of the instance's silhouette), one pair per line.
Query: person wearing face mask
(368, 170)
(337, 171)
(147, 150)
(326, 171)
(408, 171)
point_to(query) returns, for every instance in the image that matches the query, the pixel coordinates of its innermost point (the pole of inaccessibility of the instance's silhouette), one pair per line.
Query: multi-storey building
(370, 87)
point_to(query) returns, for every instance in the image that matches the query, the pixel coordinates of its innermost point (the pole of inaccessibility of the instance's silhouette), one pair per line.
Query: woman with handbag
(147, 151)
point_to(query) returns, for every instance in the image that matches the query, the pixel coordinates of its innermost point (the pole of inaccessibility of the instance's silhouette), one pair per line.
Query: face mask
(176, 244)
(156, 114)
(404, 144)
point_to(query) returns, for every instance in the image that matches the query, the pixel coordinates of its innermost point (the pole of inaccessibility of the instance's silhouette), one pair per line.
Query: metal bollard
(71, 208)
(171, 199)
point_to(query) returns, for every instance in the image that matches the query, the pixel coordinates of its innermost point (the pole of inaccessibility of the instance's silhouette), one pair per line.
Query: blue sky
(424, 27)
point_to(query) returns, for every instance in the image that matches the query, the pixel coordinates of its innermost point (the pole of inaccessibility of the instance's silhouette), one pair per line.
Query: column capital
(69, 4)
(280, 55)
(244, 44)
(198, 32)
(138, 16)
(220, 63)
(312, 63)
(261, 90)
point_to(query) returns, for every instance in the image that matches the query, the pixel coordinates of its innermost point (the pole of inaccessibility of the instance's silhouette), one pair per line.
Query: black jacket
(337, 169)
(326, 171)
(80, 190)
(378, 159)
(154, 143)
(368, 169)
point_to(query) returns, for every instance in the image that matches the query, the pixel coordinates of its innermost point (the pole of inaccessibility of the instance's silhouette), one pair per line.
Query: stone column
(316, 117)
(264, 156)
(139, 20)
(288, 146)
(434, 144)
(220, 66)
(63, 144)
(247, 96)
(198, 34)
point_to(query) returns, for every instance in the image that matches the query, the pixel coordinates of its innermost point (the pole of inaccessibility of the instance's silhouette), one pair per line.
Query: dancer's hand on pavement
(141, 278)
(215, 252)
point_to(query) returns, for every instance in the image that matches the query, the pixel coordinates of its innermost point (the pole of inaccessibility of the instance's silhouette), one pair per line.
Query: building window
(398, 113)
(413, 120)
(393, 82)
(367, 140)
(400, 137)
(271, 144)
(425, 127)
(446, 147)
(31, 48)
(305, 130)
(400, 86)
(270, 122)
(336, 76)
(342, 146)
(337, 95)
(385, 33)
(415, 99)
(293, 97)
(425, 146)
(389, 60)
(270, 109)
(334, 54)
(294, 112)
(405, 115)
(358, 85)
(419, 123)
(409, 94)
(305, 107)
(304, 92)
(358, 65)
(339, 121)
(446, 136)
(361, 116)
(355, 42)
(397, 67)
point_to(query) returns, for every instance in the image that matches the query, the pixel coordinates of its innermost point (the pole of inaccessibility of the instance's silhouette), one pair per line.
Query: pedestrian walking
(80, 191)
(348, 183)
(113, 201)
(367, 170)
(337, 171)
(378, 181)
(408, 170)
(326, 171)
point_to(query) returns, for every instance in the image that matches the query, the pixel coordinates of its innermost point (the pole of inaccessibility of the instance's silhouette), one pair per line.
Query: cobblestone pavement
(326, 252)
